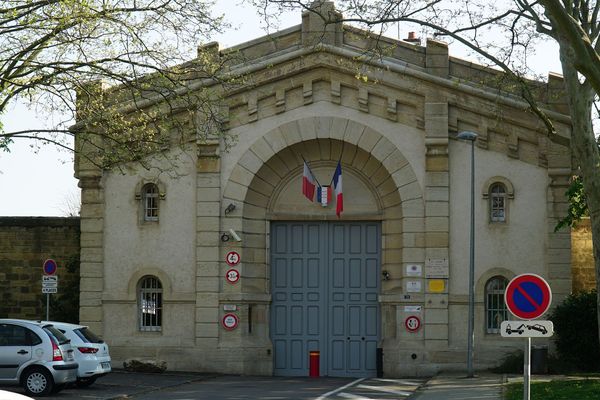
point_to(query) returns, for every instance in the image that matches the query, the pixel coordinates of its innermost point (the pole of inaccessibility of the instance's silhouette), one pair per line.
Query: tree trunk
(585, 148)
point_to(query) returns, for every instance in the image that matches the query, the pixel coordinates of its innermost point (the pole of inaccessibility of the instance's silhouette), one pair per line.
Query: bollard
(313, 364)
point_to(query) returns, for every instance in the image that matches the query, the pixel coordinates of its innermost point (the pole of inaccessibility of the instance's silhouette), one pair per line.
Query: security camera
(235, 236)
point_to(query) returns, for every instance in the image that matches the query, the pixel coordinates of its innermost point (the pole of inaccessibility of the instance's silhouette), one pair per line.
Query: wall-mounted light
(229, 208)
(231, 235)
(386, 275)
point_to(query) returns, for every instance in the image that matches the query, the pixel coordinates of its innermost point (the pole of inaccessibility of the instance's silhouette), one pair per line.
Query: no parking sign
(528, 296)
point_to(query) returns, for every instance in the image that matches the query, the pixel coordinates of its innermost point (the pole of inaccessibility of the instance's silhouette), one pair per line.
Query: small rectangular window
(150, 202)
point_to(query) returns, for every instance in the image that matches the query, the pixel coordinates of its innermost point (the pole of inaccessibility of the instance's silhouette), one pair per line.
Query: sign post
(49, 282)
(527, 296)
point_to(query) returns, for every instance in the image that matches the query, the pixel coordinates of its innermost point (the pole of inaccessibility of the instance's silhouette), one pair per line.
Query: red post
(313, 368)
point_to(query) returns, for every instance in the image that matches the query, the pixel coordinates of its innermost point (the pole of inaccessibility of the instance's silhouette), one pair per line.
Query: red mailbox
(313, 364)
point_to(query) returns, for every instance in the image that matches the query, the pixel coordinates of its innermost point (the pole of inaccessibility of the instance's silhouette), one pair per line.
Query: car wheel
(37, 382)
(85, 382)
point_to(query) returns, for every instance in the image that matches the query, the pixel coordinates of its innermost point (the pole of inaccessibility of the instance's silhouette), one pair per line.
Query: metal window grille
(495, 308)
(150, 304)
(151, 202)
(497, 203)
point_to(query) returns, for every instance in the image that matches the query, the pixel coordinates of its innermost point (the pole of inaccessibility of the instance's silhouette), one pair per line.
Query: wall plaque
(436, 268)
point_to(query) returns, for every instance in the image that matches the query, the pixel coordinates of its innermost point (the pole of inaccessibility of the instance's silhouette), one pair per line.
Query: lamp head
(467, 135)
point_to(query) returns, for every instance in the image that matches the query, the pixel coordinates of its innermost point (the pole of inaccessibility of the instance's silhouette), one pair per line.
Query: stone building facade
(389, 273)
(25, 243)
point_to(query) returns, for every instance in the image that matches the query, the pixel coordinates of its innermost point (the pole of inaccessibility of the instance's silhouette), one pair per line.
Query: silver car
(35, 355)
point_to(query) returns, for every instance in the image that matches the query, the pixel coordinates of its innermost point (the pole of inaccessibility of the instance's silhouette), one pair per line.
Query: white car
(89, 350)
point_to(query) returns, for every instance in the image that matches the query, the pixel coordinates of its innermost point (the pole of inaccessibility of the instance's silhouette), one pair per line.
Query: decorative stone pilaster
(208, 194)
(321, 24)
(436, 60)
(558, 261)
(92, 251)
(437, 195)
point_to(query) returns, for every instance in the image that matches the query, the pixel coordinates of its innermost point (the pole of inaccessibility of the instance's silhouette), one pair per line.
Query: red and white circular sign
(232, 275)
(412, 323)
(230, 321)
(232, 258)
(528, 296)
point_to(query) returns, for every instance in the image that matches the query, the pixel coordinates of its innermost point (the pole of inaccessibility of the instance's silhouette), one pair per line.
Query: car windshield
(88, 336)
(56, 334)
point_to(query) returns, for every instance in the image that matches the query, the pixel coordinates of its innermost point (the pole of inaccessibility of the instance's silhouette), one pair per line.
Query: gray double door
(325, 287)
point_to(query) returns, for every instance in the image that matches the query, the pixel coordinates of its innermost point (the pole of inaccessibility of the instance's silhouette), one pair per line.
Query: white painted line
(398, 381)
(385, 390)
(353, 396)
(326, 395)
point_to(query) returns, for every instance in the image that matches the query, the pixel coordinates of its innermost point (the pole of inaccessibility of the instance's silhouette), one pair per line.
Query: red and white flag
(308, 183)
(337, 187)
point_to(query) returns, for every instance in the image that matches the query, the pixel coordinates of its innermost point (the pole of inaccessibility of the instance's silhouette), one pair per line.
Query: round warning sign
(412, 323)
(232, 275)
(230, 321)
(528, 296)
(232, 258)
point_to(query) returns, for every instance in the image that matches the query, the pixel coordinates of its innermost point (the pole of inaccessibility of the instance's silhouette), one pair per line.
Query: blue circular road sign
(528, 296)
(50, 267)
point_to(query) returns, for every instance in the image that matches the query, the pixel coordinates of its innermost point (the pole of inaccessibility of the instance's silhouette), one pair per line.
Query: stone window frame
(509, 194)
(150, 299)
(141, 195)
(494, 303)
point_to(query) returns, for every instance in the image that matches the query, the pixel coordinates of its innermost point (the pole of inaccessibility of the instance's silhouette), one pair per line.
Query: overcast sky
(41, 183)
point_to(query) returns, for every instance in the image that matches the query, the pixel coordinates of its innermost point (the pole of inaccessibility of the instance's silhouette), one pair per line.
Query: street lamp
(471, 136)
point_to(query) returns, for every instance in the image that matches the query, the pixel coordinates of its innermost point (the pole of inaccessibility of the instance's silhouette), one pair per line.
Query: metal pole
(527, 370)
(47, 306)
(471, 334)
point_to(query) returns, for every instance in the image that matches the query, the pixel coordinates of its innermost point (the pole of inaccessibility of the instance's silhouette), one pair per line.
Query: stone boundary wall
(582, 257)
(25, 242)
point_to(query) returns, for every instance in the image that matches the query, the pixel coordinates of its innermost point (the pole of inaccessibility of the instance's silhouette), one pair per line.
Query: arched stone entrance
(380, 187)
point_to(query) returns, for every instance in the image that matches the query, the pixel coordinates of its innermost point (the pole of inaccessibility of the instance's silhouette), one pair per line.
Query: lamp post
(471, 136)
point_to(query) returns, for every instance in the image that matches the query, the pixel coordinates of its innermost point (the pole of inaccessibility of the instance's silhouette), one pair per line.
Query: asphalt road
(183, 386)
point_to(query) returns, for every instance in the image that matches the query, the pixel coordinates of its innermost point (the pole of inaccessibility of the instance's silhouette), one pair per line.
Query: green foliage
(51, 50)
(577, 204)
(66, 307)
(5, 143)
(576, 327)
(580, 389)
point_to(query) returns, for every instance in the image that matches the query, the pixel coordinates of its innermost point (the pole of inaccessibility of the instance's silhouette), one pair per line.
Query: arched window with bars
(498, 202)
(495, 308)
(150, 302)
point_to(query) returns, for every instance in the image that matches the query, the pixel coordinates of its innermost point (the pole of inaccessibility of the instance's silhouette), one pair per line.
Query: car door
(15, 349)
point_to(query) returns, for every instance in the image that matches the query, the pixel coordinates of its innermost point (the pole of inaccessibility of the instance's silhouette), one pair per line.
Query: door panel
(325, 284)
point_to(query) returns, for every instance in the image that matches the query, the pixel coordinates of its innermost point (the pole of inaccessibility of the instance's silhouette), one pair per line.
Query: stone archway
(275, 160)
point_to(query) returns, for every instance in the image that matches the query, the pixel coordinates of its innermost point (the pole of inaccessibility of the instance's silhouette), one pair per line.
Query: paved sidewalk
(449, 386)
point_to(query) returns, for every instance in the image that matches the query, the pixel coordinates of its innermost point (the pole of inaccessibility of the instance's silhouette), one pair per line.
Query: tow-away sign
(525, 329)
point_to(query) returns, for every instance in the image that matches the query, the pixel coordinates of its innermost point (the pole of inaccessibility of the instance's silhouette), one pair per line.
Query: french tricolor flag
(308, 183)
(337, 187)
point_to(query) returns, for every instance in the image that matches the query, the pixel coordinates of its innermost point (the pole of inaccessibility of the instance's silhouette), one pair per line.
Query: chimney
(412, 38)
